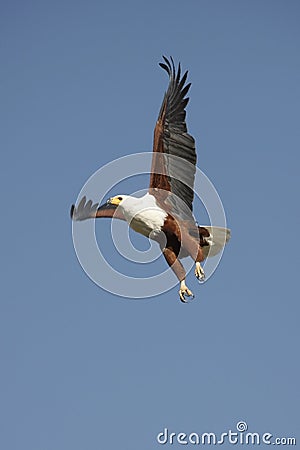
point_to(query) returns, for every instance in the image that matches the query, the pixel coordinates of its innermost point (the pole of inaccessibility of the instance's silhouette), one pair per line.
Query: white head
(117, 199)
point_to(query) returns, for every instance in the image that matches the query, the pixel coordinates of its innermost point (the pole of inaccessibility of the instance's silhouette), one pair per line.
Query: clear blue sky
(80, 86)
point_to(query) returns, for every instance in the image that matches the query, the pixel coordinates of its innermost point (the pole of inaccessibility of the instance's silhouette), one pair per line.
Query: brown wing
(174, 155)
(87, 210)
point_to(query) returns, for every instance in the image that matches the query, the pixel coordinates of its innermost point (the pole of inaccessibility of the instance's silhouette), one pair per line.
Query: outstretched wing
(87, 210)
(174, 155)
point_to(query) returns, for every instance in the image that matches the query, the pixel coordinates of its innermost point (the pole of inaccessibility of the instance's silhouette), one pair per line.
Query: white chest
(143, 214)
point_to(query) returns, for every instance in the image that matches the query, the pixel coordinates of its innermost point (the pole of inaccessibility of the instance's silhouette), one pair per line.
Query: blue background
(80, 86)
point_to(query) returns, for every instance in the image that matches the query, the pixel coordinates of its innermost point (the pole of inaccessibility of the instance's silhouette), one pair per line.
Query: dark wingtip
(169, 66)
(165, 67)
(72, 211)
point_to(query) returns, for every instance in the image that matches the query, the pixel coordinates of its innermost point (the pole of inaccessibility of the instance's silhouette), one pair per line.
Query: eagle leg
(199, 271)
(179, 271)
(195, 251)
(183, 291)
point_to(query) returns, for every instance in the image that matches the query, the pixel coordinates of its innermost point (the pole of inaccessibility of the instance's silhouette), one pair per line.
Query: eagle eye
(120, 198)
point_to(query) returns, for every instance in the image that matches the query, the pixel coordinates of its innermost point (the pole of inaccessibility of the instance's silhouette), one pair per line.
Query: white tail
(217, 240)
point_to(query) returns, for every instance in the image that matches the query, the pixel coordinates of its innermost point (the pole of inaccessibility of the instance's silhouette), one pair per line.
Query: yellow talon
(183, 291)
(199, 272)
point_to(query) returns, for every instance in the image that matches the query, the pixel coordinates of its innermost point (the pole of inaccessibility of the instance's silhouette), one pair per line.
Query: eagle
(165, 213)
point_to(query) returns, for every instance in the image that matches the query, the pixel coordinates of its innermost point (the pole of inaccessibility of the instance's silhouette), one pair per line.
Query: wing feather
(87, 210)
(174, 155)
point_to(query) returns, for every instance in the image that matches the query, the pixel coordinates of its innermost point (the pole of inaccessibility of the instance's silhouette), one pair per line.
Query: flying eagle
(165, 213)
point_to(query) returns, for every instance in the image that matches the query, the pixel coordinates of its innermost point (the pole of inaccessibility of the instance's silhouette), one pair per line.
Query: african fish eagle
(164, 214)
